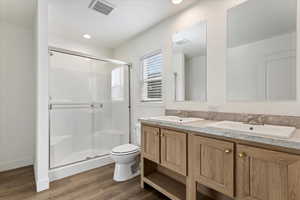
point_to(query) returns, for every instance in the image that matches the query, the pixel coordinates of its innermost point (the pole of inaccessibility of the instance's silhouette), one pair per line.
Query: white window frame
(143, 81)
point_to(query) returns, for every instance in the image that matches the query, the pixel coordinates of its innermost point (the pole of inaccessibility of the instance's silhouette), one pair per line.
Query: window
(117, 84)
(152, 77)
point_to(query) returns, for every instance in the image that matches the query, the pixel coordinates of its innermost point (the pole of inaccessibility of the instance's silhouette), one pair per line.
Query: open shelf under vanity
(166, 181)
(166, 185)
(172, 184)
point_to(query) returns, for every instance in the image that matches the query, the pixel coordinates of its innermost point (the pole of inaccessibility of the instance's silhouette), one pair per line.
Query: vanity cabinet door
(174, 151)
(267, 175)
(150, 143)
(213, 164)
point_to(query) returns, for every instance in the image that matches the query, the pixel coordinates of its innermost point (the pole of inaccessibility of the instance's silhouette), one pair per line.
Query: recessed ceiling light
(87, 36)
(177, 1)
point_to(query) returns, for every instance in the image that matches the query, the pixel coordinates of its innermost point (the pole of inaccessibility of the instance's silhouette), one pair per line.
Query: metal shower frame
(107, 60)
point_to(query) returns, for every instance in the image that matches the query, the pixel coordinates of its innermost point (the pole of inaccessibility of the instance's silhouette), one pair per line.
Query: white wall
(41, 164)
(159, 37)
(17, 96)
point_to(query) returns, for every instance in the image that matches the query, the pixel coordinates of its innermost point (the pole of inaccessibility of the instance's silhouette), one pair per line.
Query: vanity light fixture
(87, 36)
(177, 1)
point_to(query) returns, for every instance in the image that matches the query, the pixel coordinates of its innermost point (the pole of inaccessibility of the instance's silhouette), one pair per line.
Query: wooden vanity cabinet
(164, 161)
(165, 147)
(151, 143)
(213, 164)
(230, 167)
(266, 175)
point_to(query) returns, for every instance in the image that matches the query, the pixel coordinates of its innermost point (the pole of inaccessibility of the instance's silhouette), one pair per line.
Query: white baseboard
(14, 164)
(42, 185)
(63, 172)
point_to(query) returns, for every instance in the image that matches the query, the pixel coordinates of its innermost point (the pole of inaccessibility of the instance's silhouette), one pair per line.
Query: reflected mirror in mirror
(189, 63)
(261, 50)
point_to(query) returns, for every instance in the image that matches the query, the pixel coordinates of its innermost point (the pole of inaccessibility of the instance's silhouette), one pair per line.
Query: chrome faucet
(256, 120)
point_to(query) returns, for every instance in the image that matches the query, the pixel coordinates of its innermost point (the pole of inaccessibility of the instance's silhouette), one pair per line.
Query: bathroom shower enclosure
(89, 108)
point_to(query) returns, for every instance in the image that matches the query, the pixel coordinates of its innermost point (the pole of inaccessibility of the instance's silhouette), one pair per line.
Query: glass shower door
(71, 114)
(89, 112)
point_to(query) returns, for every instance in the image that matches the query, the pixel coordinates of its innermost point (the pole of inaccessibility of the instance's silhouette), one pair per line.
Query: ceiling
(257, 20)
(18, 12)
(71, 19)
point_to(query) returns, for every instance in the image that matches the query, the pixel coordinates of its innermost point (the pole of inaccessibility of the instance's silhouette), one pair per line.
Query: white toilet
(126, 158)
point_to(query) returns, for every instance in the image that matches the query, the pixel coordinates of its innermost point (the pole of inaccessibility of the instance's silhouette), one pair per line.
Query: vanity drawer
(213, 164)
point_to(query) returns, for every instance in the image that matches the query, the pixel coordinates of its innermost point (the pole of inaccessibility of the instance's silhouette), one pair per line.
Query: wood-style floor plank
(96, 184)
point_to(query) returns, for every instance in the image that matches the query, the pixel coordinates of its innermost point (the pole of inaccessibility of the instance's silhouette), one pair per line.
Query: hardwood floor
(96, 184)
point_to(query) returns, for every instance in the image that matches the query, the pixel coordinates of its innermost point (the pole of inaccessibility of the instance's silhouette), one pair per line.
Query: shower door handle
(97, 105)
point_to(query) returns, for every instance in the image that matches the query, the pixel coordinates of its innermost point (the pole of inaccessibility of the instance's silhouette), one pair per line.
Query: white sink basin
(283, 132)
(175, 119)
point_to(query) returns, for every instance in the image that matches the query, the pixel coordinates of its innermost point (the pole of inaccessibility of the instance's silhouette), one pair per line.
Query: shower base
(76, 168)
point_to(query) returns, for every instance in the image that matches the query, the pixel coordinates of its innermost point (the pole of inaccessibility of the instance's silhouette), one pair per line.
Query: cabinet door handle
(242, 155)
(156, 133)
(227, 151)
(162, 135)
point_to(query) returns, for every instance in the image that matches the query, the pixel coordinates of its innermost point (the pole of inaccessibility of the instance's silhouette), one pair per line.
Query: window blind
(152, 77)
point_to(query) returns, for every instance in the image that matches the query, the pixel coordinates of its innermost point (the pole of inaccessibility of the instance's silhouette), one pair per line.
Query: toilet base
(125, 172)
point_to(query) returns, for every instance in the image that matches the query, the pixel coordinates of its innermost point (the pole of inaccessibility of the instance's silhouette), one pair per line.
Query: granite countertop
(201, 127)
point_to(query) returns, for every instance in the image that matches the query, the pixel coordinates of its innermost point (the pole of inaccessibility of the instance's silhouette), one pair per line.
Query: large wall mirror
(261, 51)
(189, 63)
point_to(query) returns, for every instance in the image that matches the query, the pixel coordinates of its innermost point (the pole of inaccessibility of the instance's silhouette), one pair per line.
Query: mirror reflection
(262, 51)
(189, 63)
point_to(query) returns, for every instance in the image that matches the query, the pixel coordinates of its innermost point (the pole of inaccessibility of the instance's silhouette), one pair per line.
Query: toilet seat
(125, 149)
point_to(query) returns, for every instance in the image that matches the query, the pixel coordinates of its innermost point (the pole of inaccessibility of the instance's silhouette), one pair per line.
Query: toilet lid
(126, 148)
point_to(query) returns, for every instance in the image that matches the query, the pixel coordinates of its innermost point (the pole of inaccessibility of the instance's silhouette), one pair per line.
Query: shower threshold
(79, 167)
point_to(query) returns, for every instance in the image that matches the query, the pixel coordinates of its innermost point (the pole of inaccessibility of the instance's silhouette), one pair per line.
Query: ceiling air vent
(101, 6)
